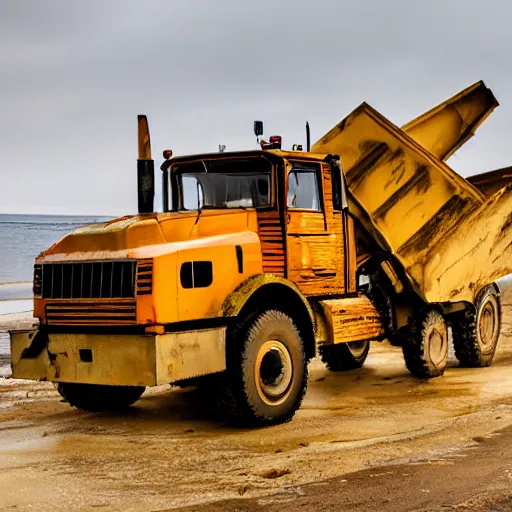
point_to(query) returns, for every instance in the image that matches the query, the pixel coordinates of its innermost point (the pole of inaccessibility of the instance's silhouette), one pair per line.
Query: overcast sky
(75, 74)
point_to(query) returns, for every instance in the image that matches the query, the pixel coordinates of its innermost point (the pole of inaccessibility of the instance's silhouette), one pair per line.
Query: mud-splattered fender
(275, 293)
(236, 300)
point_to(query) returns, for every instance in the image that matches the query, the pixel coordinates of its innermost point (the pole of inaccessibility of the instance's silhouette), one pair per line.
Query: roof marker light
(275, 141)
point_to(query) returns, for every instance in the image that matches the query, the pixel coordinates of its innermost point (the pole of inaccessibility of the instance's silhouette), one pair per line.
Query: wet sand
(369, 439)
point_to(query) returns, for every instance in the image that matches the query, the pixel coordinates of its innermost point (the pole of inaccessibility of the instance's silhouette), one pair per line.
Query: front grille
(118, 312)
(87, 280)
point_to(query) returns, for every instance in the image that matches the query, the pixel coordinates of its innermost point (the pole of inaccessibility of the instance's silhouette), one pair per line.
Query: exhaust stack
(145, 169)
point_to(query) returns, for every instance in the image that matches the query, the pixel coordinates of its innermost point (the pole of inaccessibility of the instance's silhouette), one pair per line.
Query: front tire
(345, 356)
(267, 370)
(96, 397)
(476, 334)
(426, 348)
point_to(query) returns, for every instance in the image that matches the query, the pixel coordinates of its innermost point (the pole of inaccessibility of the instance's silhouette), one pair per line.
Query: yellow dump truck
(263, 259)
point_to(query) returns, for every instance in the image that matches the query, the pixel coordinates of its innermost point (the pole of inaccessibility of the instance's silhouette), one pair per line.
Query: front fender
(237, 299)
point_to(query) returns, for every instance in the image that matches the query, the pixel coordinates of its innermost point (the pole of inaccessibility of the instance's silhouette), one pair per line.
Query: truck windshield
(234, 183)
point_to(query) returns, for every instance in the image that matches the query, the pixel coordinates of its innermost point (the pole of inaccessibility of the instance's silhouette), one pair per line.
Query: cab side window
(303, 190)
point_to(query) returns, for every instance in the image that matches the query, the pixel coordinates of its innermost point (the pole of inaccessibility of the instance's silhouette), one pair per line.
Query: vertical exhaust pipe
(308, 138)
(145, 169)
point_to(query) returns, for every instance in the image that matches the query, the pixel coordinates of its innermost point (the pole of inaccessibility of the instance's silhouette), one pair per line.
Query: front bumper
(117, 359)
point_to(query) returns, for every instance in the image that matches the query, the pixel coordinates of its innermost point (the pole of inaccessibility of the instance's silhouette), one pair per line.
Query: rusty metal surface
(415, 205)
(144, 141)
(350, 319)
(446, 127)
(490, 182)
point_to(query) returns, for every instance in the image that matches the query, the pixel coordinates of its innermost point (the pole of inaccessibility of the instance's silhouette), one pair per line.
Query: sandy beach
(372, 439)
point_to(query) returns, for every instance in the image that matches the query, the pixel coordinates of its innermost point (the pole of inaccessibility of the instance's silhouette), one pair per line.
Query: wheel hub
(274, 372)
(487, 325)
(436, 346)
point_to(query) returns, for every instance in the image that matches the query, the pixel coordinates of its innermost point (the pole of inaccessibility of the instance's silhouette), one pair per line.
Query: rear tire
(96, 398)
(476, 334)
(426, 348)
(345, 356)
(267, 371)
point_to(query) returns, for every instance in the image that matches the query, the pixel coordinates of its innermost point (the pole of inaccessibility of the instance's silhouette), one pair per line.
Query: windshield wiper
(199, 207)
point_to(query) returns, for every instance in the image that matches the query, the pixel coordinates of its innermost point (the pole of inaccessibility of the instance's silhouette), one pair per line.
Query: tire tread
(465, 335)
(232, 393)
(414, 347)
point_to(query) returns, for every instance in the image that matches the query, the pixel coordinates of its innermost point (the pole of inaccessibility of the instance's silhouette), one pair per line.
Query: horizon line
(65, 214)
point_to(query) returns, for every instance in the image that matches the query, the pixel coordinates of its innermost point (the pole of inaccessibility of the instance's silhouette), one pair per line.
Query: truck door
(316, 241)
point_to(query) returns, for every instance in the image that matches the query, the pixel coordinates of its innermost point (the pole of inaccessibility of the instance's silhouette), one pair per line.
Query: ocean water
(22, 238)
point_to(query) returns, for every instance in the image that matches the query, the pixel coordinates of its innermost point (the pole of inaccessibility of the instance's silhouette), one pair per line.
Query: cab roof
(291, 155)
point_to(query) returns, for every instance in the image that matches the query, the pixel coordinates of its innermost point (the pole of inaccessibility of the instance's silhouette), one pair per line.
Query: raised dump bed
(445, 128)
(450, 240)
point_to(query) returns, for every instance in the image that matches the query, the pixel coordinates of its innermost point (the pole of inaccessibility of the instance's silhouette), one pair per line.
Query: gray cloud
(74, 75)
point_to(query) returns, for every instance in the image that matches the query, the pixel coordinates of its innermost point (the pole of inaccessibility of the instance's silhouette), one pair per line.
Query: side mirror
(258, 128)
(339, 197)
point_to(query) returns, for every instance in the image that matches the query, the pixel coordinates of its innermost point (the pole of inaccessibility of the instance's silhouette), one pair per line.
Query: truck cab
(299, 203)
(245, 239)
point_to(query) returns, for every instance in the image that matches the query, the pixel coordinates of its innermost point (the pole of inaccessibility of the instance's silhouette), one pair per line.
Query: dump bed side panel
(445, 128)
(478, 252)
